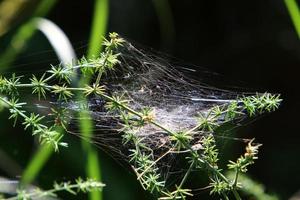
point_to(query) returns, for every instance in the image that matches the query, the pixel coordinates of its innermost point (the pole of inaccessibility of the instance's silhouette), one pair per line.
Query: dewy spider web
(175, 101)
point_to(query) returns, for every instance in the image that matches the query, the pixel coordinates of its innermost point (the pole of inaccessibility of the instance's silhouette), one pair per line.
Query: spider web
(147, 80)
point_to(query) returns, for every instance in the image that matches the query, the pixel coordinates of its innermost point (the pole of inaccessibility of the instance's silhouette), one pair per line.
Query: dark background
(248, 42)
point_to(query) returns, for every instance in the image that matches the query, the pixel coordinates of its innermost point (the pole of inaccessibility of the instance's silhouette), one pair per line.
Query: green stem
(294, 12)
(186, 175)
(236, 177)
(99, 76)
(36, 164)
(236, 194)
(225, 196)
(99, 26)
(11, 105)
(38, 194)
(49, 78)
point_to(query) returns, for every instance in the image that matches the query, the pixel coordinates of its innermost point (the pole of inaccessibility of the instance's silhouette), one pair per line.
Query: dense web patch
(149, 81)
(147, 113)
(174, 100)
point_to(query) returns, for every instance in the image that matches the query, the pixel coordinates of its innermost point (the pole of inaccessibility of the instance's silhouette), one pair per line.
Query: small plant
(153, 111)
(72, 188)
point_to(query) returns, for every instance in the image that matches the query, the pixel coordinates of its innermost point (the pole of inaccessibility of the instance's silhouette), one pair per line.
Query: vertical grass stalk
(36, 164)
(99, 25)
(294, 12)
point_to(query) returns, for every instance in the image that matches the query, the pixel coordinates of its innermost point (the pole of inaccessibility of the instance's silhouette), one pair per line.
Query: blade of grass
(93, 168)
(294, 12)
(23, 34)
(36, 164)
(252, 187)
(99, 24)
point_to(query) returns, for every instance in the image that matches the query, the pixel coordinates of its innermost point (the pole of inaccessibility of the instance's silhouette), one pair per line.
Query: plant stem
(186, 175)
(39, 194)
(294, 12)
(99, 26)
(236, 177)
(40, 157)
(236, 194)
(225, 196)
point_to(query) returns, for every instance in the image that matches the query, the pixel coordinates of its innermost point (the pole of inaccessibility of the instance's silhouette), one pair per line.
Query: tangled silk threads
(146, 113)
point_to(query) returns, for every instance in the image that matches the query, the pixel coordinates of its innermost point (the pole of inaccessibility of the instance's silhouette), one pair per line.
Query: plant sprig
(41, 86)
(80, 185)
(142, 157)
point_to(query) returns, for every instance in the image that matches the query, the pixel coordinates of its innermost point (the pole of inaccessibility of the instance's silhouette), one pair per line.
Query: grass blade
(100, 18)
(294, 12)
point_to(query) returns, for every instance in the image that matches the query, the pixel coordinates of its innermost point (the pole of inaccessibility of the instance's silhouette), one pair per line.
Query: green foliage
(252, 188)
(261, 103)
(207, 159)
(94, 89)
(39, 86)
(247, 159)
(72, 188)
(116, 103)
(294, 12)
(61, 73)
(64, 93)
(9, 86)
(210, 152)
(142, 157)
(181, 139)
(208, 122)
(33, 120)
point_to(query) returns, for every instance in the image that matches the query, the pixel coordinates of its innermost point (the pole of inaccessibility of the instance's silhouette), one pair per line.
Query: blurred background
(249, 43)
